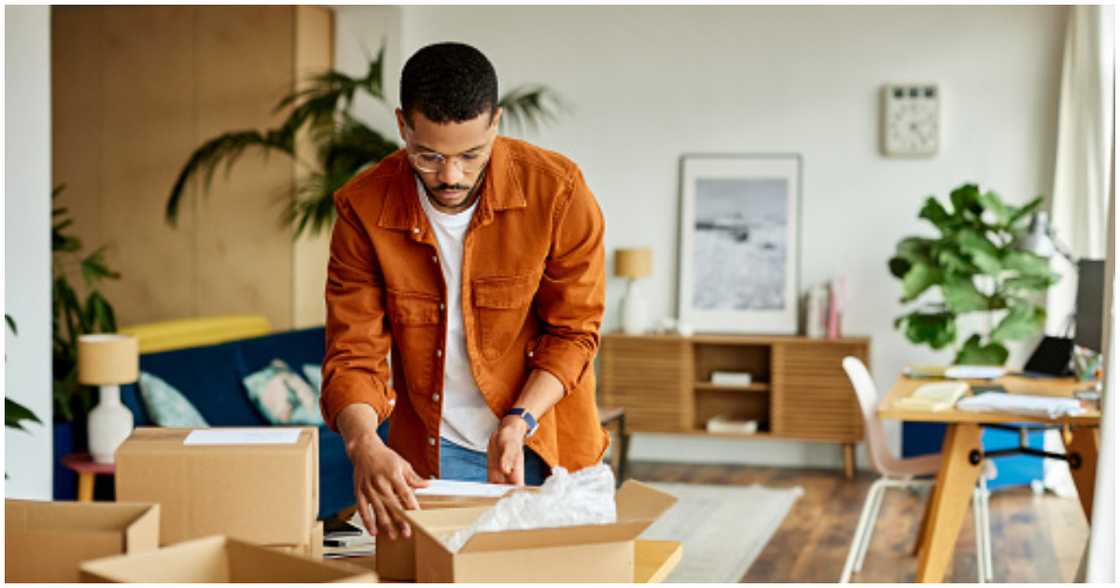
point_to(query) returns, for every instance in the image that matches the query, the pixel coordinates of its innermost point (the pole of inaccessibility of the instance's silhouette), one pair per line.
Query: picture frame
(740, 243)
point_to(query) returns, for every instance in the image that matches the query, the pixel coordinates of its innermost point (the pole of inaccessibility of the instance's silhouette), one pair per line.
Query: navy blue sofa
(210, 377)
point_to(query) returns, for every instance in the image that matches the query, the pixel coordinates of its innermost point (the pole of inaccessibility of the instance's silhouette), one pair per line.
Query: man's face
(449, 158)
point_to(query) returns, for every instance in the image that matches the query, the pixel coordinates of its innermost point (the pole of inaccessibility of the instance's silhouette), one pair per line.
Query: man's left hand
(505, 463)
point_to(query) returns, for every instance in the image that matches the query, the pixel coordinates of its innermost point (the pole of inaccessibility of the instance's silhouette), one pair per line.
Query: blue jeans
(460, 463)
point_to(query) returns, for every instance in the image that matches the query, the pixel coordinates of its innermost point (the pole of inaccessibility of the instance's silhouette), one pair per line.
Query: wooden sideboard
(798, 391)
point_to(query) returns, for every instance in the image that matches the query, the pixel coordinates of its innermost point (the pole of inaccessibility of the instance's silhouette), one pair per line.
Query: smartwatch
(527, 417)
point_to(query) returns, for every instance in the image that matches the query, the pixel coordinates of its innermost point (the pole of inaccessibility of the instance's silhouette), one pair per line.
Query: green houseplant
(344, 145)
(975, 266)
(15, 413)
(72, 314)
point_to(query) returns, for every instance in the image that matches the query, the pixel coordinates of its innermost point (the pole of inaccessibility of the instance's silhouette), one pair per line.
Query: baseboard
(762, 452)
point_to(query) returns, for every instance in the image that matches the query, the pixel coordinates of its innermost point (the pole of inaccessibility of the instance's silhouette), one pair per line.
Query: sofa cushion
(166, 405)
(282, 397)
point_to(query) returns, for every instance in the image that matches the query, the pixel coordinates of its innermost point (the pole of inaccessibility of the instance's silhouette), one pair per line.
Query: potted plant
(344, 145)
(975, 267)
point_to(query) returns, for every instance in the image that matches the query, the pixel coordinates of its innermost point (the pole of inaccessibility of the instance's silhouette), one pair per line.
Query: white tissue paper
(564, 500)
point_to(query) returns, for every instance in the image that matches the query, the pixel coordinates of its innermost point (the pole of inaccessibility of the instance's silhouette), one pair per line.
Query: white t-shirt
(466, 419)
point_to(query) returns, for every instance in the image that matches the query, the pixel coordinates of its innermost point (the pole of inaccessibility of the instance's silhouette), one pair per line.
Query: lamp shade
(633, 263)
(108, 359)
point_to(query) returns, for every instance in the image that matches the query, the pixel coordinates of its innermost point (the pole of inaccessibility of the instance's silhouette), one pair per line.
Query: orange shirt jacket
(533, 287)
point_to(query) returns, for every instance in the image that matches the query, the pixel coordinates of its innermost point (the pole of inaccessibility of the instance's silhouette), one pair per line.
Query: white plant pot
(110, 423)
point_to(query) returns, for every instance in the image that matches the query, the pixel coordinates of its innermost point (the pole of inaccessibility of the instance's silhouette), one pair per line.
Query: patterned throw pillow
(314, 374)
(166, 405)
(282, 397)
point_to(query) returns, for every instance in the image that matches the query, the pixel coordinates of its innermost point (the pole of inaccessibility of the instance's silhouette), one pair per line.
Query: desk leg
(623, 447)
(1085, 444)
(919, 541)
(85, 486)
(949, 502)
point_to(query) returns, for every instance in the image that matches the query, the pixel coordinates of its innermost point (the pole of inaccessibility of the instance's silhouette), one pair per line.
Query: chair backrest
(868, 397)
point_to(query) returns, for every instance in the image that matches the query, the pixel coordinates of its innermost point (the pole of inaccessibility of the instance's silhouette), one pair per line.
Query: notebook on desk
(933, 397)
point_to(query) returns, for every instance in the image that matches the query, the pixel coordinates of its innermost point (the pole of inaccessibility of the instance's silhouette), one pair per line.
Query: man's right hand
(383, 480)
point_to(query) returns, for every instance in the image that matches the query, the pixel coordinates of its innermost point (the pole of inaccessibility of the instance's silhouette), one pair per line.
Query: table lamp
(107, 361)
(633, 264)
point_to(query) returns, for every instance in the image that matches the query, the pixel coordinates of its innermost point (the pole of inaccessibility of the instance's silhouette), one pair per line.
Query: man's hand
(383, 480)
(505, 457)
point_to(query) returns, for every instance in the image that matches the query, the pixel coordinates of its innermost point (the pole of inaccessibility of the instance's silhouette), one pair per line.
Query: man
(478, 261)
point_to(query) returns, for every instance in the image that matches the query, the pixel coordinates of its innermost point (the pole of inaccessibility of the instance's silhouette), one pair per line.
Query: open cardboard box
(219, 559)
(263, 493)
(584, 553)
(396, 558)
(46, 541)
(313, 548)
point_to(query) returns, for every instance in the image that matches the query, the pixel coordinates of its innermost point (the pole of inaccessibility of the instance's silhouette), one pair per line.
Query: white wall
(648, 84)
(27, 255)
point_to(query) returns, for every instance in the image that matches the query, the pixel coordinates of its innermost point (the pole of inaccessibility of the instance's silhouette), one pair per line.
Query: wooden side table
(83, 465)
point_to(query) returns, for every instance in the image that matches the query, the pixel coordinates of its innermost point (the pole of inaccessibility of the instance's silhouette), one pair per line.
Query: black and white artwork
(739, 243)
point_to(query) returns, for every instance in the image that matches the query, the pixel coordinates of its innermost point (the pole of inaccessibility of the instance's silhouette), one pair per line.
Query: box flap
(72, 516)
(219, 559)
(636, 501)
(554, 537)
(143, 534)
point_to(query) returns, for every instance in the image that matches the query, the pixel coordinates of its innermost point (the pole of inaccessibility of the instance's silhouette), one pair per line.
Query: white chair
(901, 473)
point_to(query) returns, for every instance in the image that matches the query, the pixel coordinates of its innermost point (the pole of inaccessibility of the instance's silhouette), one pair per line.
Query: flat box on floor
(46, 541)
(219, 559)
(262, 493)
(584, 553)
(396, 558)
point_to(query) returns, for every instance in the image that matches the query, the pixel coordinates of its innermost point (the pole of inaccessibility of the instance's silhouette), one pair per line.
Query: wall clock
(911, 122)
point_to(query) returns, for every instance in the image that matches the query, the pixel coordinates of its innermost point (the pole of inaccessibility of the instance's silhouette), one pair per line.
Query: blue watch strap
(527, 417)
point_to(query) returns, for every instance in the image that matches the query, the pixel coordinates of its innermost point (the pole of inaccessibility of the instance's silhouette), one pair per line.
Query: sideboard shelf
(799, 389)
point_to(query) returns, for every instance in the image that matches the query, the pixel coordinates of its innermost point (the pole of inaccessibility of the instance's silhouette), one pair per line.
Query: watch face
(910, 119)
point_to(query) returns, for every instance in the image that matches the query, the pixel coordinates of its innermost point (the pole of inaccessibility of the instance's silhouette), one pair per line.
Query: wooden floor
(1034, 538)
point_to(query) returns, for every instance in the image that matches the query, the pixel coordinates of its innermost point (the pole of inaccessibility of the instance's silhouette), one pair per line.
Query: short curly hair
(448, 82)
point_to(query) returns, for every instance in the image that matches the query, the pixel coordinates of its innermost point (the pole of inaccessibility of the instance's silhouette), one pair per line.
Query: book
(722, 424)
(726, 378)
(933, 397)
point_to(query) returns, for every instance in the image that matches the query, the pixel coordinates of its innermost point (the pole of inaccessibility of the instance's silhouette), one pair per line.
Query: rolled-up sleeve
(571, 296)
(355, 367)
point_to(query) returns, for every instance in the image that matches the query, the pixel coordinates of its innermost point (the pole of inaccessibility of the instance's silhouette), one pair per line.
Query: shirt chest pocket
(501, 306)
(412, 309)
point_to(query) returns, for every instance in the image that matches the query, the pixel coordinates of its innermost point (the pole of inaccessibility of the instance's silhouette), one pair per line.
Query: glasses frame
(466, 168)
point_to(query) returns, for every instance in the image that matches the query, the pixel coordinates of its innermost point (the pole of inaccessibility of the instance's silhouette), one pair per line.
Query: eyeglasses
(430, 162)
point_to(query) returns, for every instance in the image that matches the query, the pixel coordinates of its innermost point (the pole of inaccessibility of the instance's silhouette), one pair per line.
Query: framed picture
(739, 243)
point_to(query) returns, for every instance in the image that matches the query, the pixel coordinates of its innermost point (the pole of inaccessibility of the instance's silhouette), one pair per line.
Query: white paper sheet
(458, 488)
(269, 436)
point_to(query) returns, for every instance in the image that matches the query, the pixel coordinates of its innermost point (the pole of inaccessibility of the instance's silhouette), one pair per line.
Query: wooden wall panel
(147, 83)
(244, 65)
(136, 90)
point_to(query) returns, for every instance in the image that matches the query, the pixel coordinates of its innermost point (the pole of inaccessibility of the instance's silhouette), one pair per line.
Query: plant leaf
(15, 413)
(11, 323)
(1027, 263)
(1021, 322)
(936, 330)
(1024, 213)
(935, 213)
(899, 266)
(920, 277)
(973, 353)
(966, 199)
(993, 204)
(961, 295)
(980, 250)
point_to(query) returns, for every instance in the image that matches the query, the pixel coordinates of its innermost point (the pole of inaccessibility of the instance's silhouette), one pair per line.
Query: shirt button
(439, 353)
(441, 306)
(415, 230)
(435, 259)
(530, 354)
(432, 441)
(435, 397)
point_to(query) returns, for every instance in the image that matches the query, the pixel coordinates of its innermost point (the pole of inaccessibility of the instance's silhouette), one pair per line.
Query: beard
(451, 202)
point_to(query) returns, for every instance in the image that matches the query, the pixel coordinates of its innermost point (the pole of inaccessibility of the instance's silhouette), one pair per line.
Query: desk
(957, 475)
(653, 560)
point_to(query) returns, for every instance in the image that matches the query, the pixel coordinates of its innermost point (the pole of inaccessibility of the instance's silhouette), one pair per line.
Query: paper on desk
(271, 436)
(1044, 406)
(459, 488)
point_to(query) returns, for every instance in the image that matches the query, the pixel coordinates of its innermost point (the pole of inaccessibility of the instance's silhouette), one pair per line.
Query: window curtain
(1082, 175)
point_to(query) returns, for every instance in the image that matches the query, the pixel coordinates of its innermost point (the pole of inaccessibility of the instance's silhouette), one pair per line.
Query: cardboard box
(219, 559)
(396, 558)
(313, 548)
(585, 553)
(45, 541)
(262, 493)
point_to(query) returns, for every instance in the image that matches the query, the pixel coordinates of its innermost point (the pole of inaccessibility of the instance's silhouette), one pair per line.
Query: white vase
(634, 310)
(110, 423)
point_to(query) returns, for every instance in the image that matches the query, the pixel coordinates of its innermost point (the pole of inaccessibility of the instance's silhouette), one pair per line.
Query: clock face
(911, 119)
